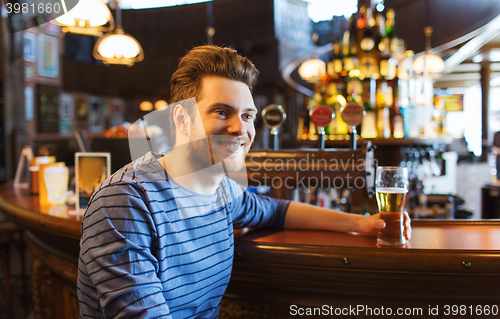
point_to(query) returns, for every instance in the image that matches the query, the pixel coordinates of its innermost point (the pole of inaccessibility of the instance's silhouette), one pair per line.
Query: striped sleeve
(256, 211)
(118, 238)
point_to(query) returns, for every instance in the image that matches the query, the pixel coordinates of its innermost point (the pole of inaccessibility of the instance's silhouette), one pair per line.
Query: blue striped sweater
(151, 248)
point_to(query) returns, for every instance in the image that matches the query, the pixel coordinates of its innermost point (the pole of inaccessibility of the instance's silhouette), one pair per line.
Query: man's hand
(373, 223)
(305, 216)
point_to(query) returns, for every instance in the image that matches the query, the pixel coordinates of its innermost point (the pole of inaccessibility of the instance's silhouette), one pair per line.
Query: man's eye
(248, 116)
(221, 112)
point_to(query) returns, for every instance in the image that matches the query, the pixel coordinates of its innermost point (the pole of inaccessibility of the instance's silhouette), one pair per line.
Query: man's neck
(203, 181)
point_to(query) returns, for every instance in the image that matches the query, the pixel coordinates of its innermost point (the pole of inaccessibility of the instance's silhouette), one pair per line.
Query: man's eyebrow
(229, 106)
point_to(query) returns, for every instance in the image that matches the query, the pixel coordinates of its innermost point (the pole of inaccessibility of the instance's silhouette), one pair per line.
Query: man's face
(227, 113)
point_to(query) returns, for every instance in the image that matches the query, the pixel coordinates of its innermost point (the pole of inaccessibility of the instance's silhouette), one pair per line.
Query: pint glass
(391, 187)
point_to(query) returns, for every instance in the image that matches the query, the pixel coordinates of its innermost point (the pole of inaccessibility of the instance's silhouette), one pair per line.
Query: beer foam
(392, 190)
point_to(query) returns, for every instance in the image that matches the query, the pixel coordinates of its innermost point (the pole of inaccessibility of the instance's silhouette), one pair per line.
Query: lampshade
(118, 48)
(433, 63)
(430, 63)
(312, 70)
(87, 17)
(146, 106)
(160, 104)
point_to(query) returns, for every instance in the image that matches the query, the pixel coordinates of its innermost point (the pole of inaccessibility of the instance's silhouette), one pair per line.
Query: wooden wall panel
(167, 33)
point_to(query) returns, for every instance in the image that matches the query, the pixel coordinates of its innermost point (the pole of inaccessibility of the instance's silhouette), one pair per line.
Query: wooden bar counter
(451, 262)
(53, 236)
(448, 262)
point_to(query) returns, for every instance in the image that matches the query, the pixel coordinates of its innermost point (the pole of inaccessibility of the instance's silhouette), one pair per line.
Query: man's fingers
(407, 224)
(408, 234)
(379, 224)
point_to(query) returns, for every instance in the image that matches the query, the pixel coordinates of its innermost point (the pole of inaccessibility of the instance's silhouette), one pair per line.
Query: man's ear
(181, 119)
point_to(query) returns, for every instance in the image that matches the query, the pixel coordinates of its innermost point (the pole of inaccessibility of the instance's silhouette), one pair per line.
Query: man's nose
(236, 126)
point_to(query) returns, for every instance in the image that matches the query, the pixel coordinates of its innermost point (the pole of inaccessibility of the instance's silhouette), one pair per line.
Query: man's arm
(116, 257)
(305, 216)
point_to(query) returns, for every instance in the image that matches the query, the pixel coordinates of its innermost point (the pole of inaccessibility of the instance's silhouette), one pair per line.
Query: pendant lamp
(117, 47)
(430, 64)
(88, 17)
(312, 70)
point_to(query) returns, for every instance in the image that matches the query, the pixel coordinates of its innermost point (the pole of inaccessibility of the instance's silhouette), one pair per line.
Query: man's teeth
(232, 146)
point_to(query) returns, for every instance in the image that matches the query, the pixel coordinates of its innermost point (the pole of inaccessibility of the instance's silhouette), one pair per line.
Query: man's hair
(207, 60)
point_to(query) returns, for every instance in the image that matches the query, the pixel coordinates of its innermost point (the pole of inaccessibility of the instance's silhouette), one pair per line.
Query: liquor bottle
(380, 31)
(337, 59)
(331, 93)
(439, 117)
(383, 99)
(304, 121)
(353, 38)
(385, 54)
(369, 124)
(350, 46)
(333, 101)
(342, 127)
(389, 62)
(374, 22)
(361, 22)
(302, 127)
(410, 122)
(390, 30)
(383, 122)
(398, 124)
(369, 55)
(368, 39)
(384, 44)
(354, 90)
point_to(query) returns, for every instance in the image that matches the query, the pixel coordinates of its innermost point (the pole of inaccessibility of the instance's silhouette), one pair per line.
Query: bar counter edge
(271, 275)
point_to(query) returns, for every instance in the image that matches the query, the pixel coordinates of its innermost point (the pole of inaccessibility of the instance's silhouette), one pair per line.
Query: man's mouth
(232, 146)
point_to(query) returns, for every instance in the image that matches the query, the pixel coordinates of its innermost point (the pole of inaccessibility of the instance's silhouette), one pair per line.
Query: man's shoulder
(144, 179)
(142, 171)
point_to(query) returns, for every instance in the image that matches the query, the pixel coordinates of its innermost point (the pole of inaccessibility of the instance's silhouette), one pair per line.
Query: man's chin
(234, 163)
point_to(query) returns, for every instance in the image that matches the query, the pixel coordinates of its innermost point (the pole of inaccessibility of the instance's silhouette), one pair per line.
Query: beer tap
(352, 113)
(321, 115)
(273, 117)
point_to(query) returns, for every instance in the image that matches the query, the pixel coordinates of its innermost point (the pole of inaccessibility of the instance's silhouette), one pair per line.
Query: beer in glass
(391, 187)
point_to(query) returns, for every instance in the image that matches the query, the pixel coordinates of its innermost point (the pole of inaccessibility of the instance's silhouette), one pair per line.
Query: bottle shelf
(344, 141)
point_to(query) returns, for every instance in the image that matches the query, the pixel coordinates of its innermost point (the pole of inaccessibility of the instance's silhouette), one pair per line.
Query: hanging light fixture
(87, 17)
(146, 106)
(118, 47)
(430, 64)
(312, 70)
(160, 104)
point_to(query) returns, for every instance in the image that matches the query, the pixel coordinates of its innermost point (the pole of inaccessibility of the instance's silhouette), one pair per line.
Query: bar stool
(8, 231)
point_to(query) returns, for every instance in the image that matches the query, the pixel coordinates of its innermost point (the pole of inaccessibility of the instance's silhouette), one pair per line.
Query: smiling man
(157, 236)
(214, 135)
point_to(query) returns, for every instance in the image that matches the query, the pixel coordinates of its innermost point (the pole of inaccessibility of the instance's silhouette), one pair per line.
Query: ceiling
(480, 48)
(462, 29)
